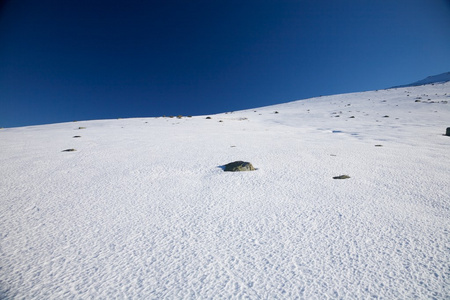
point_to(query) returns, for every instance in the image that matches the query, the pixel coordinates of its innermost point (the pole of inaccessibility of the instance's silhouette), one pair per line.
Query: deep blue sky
(87, 59)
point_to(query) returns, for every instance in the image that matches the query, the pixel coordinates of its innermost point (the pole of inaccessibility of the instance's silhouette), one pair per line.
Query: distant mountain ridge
(441, 78)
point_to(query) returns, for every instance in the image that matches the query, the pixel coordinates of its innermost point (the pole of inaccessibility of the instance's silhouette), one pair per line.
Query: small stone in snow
(341, 177)
(238, 166)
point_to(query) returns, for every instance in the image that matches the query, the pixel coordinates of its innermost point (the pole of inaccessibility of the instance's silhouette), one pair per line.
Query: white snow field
(142, 209)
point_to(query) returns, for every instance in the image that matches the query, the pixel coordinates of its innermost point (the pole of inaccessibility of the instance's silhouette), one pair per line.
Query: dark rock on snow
(341, 177)
(238, 166)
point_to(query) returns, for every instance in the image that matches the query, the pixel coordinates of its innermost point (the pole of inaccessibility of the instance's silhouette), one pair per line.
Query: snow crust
(142, 209)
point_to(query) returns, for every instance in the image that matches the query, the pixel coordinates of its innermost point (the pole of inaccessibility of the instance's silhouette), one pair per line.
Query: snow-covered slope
(142, 209)
(441, 78)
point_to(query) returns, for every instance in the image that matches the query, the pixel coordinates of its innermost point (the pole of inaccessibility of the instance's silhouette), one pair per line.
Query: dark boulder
(447, 133)
(238, 166)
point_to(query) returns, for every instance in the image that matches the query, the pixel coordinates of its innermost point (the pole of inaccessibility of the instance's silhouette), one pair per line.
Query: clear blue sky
(87, 59)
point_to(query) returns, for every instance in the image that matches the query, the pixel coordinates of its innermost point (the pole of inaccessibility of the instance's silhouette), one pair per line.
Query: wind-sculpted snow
(142, 209)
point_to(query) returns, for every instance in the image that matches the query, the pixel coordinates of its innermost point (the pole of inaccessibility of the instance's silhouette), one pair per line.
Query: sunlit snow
(142, 209)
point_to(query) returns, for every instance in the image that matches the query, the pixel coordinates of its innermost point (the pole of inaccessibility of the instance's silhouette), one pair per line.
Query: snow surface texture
(142, 209)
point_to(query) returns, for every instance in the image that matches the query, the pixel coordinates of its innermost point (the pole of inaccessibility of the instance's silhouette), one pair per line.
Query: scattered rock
(179, 116)
(69, 150)
(447, 133)
(208, 118)
(275, 112)
(386, 116)
(238, 166)
(378, 145)
(341, 177)
(81, 127)
(77, 136)
(352, 117)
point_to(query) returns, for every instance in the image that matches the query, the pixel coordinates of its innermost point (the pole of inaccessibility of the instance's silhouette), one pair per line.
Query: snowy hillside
(142, 209)
(441, 78)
